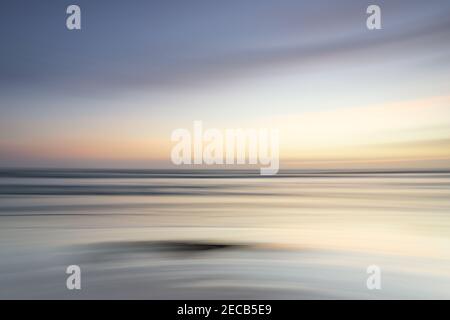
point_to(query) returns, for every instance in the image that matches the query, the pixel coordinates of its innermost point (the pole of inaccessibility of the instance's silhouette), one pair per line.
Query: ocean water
(161, 234)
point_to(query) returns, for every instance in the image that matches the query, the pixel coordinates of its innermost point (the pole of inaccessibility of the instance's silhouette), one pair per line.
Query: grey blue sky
(111, 93)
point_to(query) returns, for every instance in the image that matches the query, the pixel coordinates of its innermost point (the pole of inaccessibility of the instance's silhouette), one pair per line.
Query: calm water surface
(224, 234)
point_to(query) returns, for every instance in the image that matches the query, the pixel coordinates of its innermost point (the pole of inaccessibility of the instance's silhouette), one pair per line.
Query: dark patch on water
(102, 251)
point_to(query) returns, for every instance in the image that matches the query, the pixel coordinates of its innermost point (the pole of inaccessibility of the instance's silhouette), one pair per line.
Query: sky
(110, 94)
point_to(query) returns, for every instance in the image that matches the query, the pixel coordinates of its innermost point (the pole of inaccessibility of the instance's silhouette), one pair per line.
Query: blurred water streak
(224, 234)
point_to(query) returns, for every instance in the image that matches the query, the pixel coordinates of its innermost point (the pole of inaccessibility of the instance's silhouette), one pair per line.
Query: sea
(224, 234)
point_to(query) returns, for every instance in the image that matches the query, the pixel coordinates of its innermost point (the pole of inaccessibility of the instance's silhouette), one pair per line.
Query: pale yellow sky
(409, 133)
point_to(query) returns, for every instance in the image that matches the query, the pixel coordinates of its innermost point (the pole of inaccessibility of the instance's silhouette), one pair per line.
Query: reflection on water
(224, 234)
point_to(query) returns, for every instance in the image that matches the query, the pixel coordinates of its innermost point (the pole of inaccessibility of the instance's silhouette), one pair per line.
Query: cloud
(204, 44)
